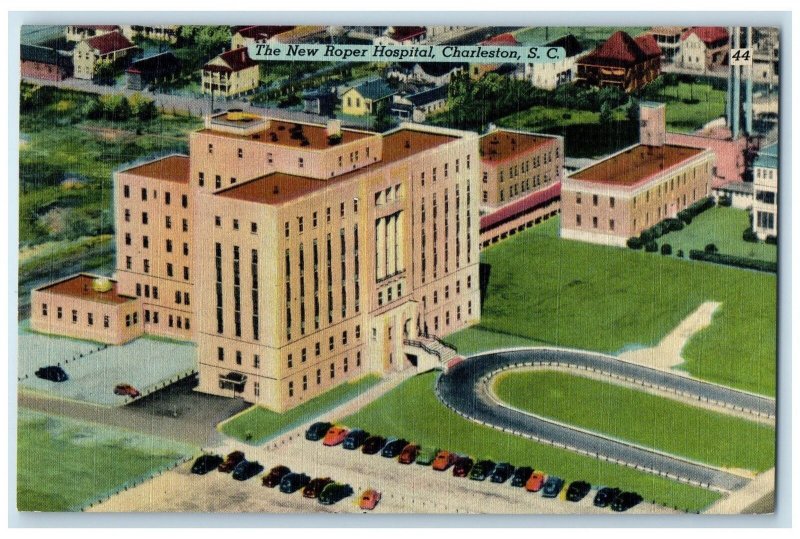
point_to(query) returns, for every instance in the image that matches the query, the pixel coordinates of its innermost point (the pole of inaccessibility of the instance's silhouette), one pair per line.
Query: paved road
(464, 389)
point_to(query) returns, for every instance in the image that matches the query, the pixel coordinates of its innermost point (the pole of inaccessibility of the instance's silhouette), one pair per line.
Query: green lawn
(723, 227)
(474, 340)
(258, 424)
(588, 35)
(684, 115)
(607, 299)
(63, 464)
(642, 418)
(412, 410)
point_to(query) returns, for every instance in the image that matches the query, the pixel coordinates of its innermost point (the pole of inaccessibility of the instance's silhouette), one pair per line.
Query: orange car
(443, 460)
(369, 499)
(335, 436)
(535, 482)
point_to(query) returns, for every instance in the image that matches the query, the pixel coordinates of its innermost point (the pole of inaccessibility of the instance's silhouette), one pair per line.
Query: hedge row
(731, 260)
(686, 215)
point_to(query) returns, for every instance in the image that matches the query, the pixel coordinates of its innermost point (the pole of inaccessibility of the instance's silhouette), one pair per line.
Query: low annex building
(632, 190)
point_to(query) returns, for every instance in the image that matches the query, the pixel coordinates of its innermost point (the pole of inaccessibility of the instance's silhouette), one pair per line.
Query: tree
(632, 110)
(606, 116)
(115, 107)
(142, 107)
(104, 72)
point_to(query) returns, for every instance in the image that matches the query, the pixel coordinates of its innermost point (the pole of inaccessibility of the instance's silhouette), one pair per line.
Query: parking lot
(94, 369)
(406, 488)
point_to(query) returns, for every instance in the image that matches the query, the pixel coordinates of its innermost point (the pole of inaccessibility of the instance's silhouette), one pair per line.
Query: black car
(317, 431)
(355, 439)
(481, 470)
(577, 490)
(247, 469)
(521, 476)
(501, 473)
(335, 492)
(552, 486)
(605, 496)
(373, 444)
(206, 463)
(393, 448)
(625, 501)
(293, 482)
(52, 373)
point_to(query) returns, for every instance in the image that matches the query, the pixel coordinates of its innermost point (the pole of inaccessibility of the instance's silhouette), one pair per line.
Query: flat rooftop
(636, 164)
(80, 286)
(501, 145)
(277, 188)
(174, 168)
(284, 133)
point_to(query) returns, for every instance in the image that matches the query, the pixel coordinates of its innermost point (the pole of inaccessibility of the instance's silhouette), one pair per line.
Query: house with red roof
(249, 35)
(476, 71)
(621, 61)
(704, 48)
(231, 73)
(112, 47)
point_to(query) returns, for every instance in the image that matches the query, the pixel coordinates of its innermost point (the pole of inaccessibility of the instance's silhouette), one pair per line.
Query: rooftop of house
(622, 50)
(708, 34)
(44, 55)
(164, 60)
(433, 69)
(81, 286)
(501, 144)
(285, 133)
(262, 32)
(505, 39)
(636, 164)
(431, 95)
(767, 157)
(571, 45)
(278, 188)
(374, 89)
(173, 168)
(235, 60)
(111, 42)
(403, 33)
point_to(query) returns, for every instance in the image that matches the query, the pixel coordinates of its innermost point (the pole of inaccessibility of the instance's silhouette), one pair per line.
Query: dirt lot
(406, 488)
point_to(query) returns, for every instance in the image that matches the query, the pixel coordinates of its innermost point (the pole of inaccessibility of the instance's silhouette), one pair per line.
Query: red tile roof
(236, 60)
(263, 32)
(707, 34)
(521, 206)
(621, 50)
(108, 43)
(649, 45)
(501, 39)
(402, 33)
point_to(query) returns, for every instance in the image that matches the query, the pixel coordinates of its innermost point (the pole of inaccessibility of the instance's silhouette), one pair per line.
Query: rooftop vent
(101, 284)
(275, 190)
(407, 144)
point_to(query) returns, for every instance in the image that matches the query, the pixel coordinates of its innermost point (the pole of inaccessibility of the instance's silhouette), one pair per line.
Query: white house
(765, 184)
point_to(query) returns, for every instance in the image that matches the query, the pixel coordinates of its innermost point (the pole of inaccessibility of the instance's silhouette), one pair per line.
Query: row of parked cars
(463, 466)
(55, 373)
(323, 489)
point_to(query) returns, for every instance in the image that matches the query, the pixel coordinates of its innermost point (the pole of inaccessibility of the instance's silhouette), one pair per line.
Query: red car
(369, 499)
(409, 454)
(126, 390)
(275, 475)
(231, 461)
(443, 460)
(535, 482)
(335, 436)
(462, 466)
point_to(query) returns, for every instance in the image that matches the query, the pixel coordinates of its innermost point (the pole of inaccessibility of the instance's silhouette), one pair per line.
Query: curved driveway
(464, 389)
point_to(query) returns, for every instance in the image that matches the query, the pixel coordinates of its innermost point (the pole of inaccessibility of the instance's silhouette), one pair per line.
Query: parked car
(52, 373)
(233, 458)
(408, 454)
(335, 492)
(292, 482)
(247, 469)
(481, 470)
(317, 430)
(426, 455)
(373, 444)
(369, 499)
(315, 486)
(355, 439)
(606, 495)
(625, 501)
(273, 478)
(552, 486)
(521, 476)
(501, 473)
(126, 390)
(393, 448)
(335, 436)
(535, 482)
(578, 490)
(206, 463)
(462, 466)
(443, 460)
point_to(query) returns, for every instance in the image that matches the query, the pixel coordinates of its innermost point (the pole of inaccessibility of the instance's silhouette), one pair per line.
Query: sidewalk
(739, 501)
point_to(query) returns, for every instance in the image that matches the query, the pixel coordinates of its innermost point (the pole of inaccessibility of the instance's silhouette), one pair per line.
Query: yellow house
(110, 47)
(363, 99)
(231, 73)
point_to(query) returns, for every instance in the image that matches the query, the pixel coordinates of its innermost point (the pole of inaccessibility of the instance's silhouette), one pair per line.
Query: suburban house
(363, 99)
(765, 184)
(44, 63)
(112, 47)
(249, 35)
(632, 190)
(402, 35)
(79, 32)
(704, 48)
(550, 75)
(320, 101)
(436, 73)
(621, 61)
(165, 32)
(144, 72)
(417, 106)
(231, 73)
(669, 40)
(476, 71)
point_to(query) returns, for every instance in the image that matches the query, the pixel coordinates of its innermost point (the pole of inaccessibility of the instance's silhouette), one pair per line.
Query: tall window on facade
(329, 276)
(218, 267)
(315, 255)
(254, 273)
(301, 269)
(288, 288)
(357, 288)
(237, 293)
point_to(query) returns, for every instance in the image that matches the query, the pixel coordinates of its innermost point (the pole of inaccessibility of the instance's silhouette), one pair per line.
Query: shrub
(651, 247)
(666, 249)
(749, 235)
(673, 225)
(738, 261)
(680, 253)
(711, 248)
(646, 236)
(634, 243)
(771, 240)
(725, 201)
